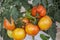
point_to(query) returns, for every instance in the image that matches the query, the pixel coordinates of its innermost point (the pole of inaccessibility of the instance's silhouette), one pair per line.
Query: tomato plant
(34, 13)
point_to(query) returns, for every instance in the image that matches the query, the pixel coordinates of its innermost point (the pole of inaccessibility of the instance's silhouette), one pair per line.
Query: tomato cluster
(39, 11)
(44, 23)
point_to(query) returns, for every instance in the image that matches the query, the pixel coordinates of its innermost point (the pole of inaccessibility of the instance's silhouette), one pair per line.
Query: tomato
(41, 10)
(9, 33)
(17, 39)
(31, 29)
(25, 20)
(43, 13)
(45, 23)
(34, 11)
(19, 34)
(8, 25)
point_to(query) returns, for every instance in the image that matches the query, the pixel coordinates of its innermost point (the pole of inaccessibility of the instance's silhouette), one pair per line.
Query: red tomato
(34, 11)
(41, 10)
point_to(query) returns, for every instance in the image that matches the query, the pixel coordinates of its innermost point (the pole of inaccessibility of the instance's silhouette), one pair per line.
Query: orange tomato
(19, 34)
(31, 29)
(45, 23)
(8, 25)
(25, 20)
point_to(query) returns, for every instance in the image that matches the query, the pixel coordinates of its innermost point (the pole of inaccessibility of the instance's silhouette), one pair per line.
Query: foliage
(44, 37)
(52, 31)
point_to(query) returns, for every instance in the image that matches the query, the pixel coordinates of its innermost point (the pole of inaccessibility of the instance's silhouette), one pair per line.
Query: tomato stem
(28, 15)
(33, 37)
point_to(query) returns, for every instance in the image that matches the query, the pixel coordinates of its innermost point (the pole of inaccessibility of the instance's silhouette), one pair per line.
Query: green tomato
(9, 33)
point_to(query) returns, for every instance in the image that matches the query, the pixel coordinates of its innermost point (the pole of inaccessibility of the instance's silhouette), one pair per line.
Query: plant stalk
(32, 37)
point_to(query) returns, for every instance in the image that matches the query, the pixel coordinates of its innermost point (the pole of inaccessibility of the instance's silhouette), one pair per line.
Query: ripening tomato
(45, 23)
(25, 20)
(8, 25)
(41, 10)
(34, 11)
(38, 11)
(19, 34)
(31, 29)
(9, 33)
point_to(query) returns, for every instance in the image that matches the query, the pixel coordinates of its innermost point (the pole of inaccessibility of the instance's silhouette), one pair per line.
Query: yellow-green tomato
(9, 33)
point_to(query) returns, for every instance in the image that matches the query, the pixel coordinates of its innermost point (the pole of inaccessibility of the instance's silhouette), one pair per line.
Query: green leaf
(1, 24)
(6, 13)
(44, 37)
(50, 2)
(47, 3)
(52, 31)
(17, 3)
(5, 36)
(31, 18)
(19, 24)
(36, 2)
(0, 20)
(7, 3)
(25, 4)
(51, 11)
(57, 16)
(0, 28)
(14, 13)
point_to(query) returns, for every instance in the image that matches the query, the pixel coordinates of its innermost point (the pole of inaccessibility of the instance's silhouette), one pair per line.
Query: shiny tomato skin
(7, 25)
(43, 13)
(41, 10)
(31, 29)
(45, 23)
(19, 33)
(34, 11)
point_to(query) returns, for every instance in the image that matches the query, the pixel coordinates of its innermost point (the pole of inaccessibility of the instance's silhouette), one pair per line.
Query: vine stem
(33, 37)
